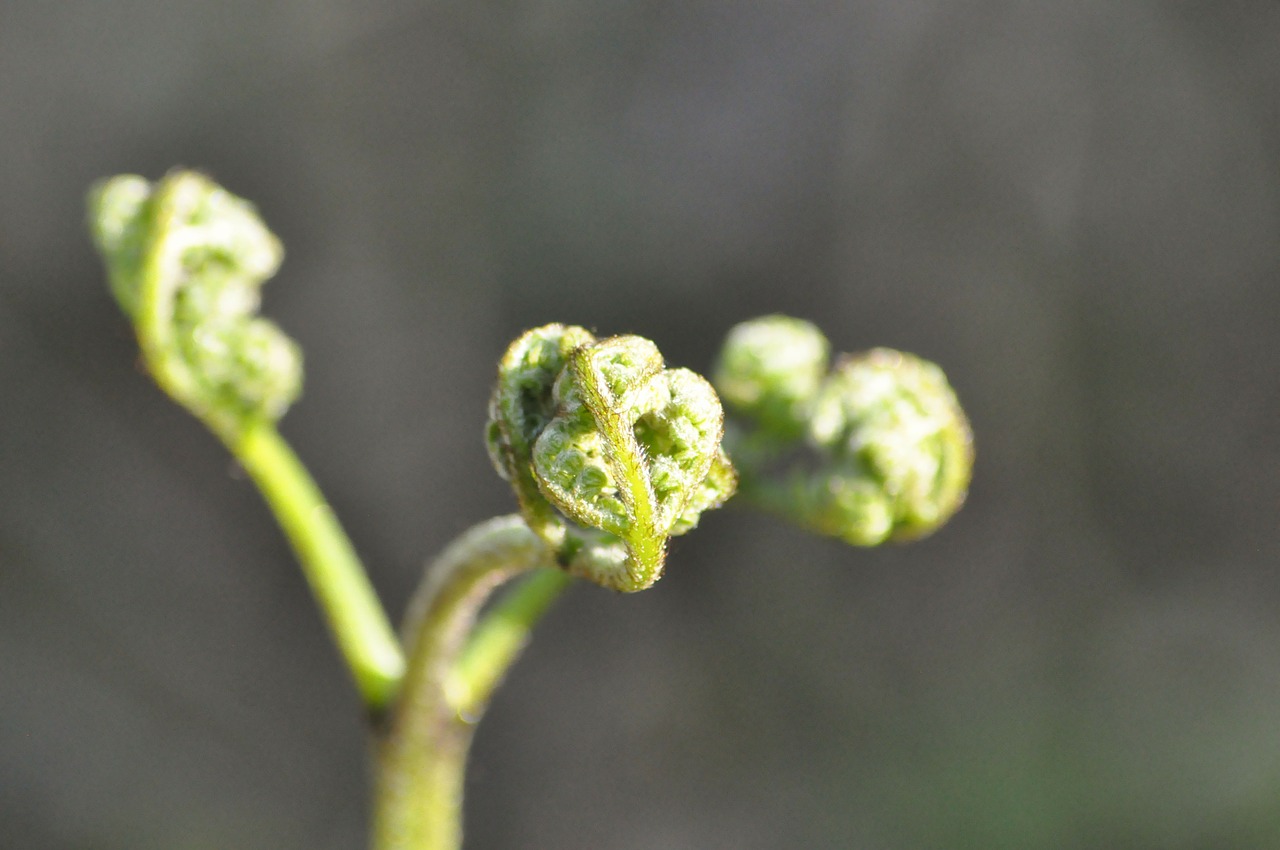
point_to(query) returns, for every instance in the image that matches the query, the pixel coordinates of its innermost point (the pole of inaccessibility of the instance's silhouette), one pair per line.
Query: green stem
(339, 582)
(449, 678)
(499, 638)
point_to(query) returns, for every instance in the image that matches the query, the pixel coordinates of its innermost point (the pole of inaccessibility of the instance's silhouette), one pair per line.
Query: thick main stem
(422, 757)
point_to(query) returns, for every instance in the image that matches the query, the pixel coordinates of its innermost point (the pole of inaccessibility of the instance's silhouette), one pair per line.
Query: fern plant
(609, 453)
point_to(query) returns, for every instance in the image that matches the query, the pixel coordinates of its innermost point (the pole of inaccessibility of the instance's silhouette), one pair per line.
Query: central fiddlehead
(609, 451)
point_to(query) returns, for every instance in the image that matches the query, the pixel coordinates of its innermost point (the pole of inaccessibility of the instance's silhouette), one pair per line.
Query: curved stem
(422, 757)
(499, 638)
(339, 582)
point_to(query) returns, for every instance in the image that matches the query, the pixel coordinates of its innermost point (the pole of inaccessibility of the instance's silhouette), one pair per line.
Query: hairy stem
(338, 580)
(453, 667)
(499, 638)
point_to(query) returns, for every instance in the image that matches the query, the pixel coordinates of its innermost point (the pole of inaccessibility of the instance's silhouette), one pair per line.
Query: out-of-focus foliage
(872, 448)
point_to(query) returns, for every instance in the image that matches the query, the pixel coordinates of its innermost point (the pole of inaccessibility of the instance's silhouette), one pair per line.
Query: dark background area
(1073, 207)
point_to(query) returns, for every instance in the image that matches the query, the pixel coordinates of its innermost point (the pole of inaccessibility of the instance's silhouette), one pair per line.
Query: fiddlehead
(186, 260)
(609, 452)
(876, 449)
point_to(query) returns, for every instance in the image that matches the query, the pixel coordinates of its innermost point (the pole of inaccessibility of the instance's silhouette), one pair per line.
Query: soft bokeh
(1073, 207)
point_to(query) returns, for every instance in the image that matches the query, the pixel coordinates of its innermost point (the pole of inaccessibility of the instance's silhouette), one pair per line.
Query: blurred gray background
(1074, 207)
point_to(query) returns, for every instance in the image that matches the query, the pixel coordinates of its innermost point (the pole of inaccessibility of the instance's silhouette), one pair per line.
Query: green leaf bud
(770, 369)
(900, 448)
(720, 483)
(249, 366)
(116, 218)
(187, 260)
(601, 433)
(878, 449)
(521, 406)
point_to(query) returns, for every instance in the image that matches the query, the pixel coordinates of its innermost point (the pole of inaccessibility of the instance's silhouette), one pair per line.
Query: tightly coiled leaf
(601, 433)
(876, 449)
(186, 261)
